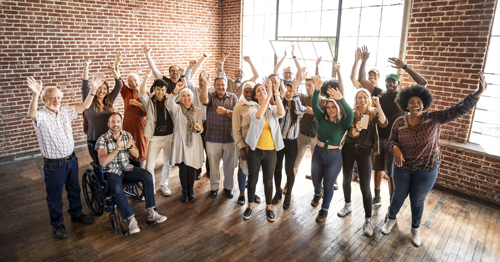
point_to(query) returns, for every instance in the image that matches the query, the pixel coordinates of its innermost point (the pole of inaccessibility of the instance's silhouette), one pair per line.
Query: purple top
(219, 127)
(420, 143)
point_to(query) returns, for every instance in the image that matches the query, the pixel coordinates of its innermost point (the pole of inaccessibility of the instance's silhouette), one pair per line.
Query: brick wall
(231, 32)
(447, 43)
(49, 39)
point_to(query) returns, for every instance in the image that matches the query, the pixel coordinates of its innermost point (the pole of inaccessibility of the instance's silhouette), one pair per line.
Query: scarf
(189, 114)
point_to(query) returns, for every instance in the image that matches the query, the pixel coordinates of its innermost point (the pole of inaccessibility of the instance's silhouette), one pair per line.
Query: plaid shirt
(219, 127)
(121, 161)
(54, 132)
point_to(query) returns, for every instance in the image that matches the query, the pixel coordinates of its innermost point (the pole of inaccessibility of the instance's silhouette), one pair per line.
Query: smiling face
(186, 98)
(160, 92)
(391, 85)
(174, 72)
(289, 93)
(52, 99)
(102, 91)
(220, 87)
(373, 77)
(247, 92)
(133, 82)
(331, 110)
(287, 74)
(115, 123)
(363, 101)
(310, 87)
(415, 106)
(260, 93)
(239, 74)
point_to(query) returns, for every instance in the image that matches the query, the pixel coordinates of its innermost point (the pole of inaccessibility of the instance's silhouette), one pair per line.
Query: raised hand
(118, 59)
(268, 83)
(35, 86)
(181, 71)
(119, 143)
(396, 63)
(197, 127)
(96, 82)
(225, 55)
(114, 70)
(283, 88)
(219, 65)
(317, 82)
(357, 54)
(318, 60)
(178, 87)
(303, 71)
(146, 49)
(482, 86)
(293, 50)
(333, 93)
(247, 59)
(205, 77)
(364, 53)
(86, 62)
(295, 85)
(191, 63)
(376, 100)
(205, 54)
(285, 53)
(336, 66)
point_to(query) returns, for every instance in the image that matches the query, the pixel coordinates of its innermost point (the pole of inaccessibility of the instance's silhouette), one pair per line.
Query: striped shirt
(121, 161)
(54, 132)
(289, 131)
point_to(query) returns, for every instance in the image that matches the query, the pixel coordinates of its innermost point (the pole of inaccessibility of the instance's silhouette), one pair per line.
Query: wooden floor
(453, 229)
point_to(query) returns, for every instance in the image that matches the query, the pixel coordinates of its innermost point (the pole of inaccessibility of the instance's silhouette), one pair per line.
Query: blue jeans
(242, 179)
(58, 175)
(325, 167)
(136, 175)
(416, 183)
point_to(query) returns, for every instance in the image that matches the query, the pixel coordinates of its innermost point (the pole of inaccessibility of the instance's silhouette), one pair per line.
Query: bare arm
(205, 77)
(362, 74)
(86, 66)
(354, 80)
(339, 76)
(198, 64)
(254, 70)
(398, 63)
(277, 67)
(265, 103)
(147, 52)
(37, 88)
(317, 66)
(279, 104)
(94, 85)
(297, 64)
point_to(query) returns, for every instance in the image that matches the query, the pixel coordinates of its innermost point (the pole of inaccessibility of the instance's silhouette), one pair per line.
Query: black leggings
(186, 175)
(290, 154)
(363, 157)
(92, 151)
(266, 158)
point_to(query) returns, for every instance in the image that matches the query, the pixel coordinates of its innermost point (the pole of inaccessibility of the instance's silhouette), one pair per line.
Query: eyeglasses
(287, 73)
(331, 107)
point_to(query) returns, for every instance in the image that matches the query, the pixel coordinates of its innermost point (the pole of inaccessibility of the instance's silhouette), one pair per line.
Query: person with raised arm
(54, 131)
(414, 141)
(235, 86)
(327, 157)
(187, 147)
(287, 71)
(158, 130)
(102, 105)
(263, 139)
(173, 71)
(219, 136)
(373, 74)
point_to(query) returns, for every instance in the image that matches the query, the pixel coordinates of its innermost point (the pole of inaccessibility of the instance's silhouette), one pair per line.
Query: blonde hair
(357, 114)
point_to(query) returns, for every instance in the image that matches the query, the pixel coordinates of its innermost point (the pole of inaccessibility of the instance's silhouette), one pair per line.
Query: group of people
(250, 126)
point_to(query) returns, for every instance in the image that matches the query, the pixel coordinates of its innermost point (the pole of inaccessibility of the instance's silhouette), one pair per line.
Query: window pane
(323, 50)
(392, 20)
(370, 21)
(306, 49)
(329, 23)
(351, 3)
(314, 5)
(350, 22)
(492, 60)
(298, 6)
(269, 7)
(248, 26)
(387, 47)
(325, 69)
(298, 24)
(285, 6)
(284, 24)
(313, 23)
(270, 26)
(248, 7)
(372, 3)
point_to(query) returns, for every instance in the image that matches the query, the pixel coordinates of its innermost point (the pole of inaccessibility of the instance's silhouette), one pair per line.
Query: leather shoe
(214, 193)
(60, 232)
(229, 193)
(84, 219)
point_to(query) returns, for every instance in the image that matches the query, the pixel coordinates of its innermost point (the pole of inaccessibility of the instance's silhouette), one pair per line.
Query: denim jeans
(266, 158)
(242, 179)
(416, 183)
(136, 175)
(289, 152)
(58, 175)
(325, 167)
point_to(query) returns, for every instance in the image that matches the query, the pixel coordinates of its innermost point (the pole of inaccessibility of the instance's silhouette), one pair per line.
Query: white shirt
(54, 132)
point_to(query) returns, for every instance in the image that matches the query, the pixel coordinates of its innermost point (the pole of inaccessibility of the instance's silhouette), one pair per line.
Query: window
(486, 125)
(313, 24)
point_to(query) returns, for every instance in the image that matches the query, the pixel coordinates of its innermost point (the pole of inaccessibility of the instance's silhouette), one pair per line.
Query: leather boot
(190, 194)
(184, 195)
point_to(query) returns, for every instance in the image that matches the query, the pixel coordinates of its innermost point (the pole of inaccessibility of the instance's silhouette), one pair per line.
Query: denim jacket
(257, 125)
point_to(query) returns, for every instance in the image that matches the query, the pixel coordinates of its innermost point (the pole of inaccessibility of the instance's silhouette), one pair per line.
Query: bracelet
(404, 67)
(357, 130)
(92, 94)
(205, 55)
(294, 57)
(182, 76)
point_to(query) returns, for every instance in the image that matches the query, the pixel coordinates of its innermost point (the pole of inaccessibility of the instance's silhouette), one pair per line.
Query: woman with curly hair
(360, 143)
(414, 141)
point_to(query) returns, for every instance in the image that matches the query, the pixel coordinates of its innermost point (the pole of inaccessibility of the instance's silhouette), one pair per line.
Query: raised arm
(339, 77)
(362, 74)
(318, 113)
(254, 70)
(278, 102)
(171, 104)
(94, 85)
(198, 64)
(147, 52)
(299, 109)
(205, 78)
(398, 63)
(37, 88)
(143, 95)
(297, 64)
(277, 67)
(354, 80)
(85, 77)
(382, 120)
(265, 103)
(115, 68)
(318, 60)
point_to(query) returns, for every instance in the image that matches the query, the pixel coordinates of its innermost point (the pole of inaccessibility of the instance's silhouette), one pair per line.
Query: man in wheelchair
(113, 149)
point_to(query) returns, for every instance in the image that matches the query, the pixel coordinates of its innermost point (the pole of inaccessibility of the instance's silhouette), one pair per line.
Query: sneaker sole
(271, 219)
(314, 204)
(343, 215)
(248, 217)
(320, 220)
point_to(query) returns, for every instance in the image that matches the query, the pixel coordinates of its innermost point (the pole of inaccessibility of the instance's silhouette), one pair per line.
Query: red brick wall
(231, 32)
(49, 39)
(447, 43)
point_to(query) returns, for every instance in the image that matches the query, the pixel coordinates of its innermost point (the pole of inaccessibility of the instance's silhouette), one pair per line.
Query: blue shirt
(257, 125)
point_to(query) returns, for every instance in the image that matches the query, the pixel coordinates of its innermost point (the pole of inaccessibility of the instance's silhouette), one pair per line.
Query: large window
(311, 24)
(486, 125)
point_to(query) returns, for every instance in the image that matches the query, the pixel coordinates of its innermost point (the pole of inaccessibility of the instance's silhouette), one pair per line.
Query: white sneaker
(368, 228)
(156, 217)
(346, 210)
(415, 237)
(386, 229)
(133, 227)
(165, 190)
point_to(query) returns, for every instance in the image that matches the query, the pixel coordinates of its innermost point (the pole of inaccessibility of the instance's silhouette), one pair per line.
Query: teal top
(329, 132)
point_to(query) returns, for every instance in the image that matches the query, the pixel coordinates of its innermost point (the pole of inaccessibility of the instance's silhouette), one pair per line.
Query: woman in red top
(134, 118)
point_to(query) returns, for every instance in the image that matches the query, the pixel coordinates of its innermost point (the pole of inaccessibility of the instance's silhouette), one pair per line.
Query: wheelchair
(99, 196)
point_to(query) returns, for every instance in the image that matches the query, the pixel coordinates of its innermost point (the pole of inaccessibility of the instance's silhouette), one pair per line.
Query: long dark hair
(105, 101)
(293, 115)
(254, 92)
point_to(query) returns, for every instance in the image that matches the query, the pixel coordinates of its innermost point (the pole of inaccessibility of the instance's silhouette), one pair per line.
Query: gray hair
(134, 75)
(185, 89)
(44, 91)
(220, 77)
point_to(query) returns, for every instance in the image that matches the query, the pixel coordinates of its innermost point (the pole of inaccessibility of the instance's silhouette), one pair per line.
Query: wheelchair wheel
(112, 222)
(93, 192)
(120, 221)
(137, 191)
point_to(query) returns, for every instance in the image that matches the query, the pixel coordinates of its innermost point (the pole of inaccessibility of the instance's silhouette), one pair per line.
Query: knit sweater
(420, 143)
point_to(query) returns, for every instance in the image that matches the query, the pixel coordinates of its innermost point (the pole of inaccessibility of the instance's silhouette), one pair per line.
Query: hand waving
(37, 87)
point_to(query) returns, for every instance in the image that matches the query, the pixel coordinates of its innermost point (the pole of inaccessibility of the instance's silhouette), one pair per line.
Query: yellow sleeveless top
(266, 139)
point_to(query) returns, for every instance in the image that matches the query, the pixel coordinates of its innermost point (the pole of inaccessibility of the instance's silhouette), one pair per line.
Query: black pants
(266, 159)
(363, 157)
(186, 175)
(207, 164)
(92, 151)
(290, 154)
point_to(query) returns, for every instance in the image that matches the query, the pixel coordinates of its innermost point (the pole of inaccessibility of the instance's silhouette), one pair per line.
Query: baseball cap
(374, 70)
(393, 76)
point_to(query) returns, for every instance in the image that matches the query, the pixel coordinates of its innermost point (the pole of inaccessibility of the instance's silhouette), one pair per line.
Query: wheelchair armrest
(134, 162)
(95, 166)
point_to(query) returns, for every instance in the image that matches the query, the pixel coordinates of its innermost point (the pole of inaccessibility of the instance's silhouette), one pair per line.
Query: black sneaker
(315, 201)
(60, 232)
(214, 193)
(84, 219)
(322, 215)
(270, 215)
(247, 214)
(229, 193)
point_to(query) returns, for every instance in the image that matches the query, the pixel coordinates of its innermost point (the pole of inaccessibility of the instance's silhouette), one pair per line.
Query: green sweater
(329, 132)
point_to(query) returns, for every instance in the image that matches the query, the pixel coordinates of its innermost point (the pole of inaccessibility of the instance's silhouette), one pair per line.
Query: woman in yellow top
(263, 139)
